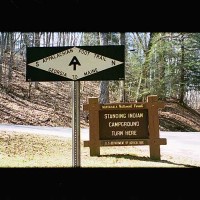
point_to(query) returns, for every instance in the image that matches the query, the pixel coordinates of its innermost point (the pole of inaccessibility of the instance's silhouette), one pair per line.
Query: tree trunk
(182, 81)
(1, 56)
(11, 63)
(144, 86)
(37, 44)
(104, 85)
(122, 91)
(161, 71)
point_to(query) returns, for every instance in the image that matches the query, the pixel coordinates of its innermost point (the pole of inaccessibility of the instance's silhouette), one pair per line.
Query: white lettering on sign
(126, 132)
(117, 133)
(122, 124)
(130, 132)
(123, 115)
(135, 115)
(123, 142)
(75, 63)
(114, 116)
(109, 106)
(138, 105)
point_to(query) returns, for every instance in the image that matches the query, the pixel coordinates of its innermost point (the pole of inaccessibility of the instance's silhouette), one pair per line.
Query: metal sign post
(76, 125)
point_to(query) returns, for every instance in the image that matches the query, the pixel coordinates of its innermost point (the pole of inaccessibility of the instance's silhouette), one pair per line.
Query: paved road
(44, 130)
(184, 144)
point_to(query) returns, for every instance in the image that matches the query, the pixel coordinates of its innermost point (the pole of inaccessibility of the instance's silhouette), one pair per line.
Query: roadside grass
(24, 150)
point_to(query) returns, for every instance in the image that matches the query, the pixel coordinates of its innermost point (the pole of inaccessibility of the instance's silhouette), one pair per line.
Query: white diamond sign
(76, 63)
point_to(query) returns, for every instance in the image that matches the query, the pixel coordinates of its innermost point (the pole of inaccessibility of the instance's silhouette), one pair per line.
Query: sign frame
(154, 141)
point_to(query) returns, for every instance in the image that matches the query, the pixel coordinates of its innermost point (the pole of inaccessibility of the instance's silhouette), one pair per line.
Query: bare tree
(122, 83)
(11, 57)
(37, 44)
(2, 43)
(104, 85)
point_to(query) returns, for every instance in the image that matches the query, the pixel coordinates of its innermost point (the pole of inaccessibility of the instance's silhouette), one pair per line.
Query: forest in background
(156, 63)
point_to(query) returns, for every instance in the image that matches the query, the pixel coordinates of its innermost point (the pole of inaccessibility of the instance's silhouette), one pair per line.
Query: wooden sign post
(124, 124)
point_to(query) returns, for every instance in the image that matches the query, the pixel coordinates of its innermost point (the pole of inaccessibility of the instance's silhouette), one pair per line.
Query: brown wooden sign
(124, 124)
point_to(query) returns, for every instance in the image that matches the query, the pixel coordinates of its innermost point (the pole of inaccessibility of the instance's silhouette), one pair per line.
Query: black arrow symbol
(74, 62)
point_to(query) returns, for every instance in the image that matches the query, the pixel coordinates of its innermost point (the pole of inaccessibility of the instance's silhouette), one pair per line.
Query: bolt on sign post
(75, 63)
(124, 124)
